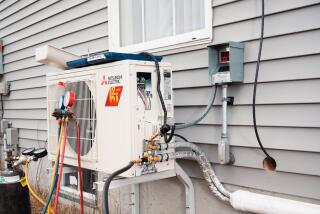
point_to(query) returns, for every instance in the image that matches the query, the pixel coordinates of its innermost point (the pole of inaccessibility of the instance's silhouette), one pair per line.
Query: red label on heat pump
(114, 96)
(224, 57)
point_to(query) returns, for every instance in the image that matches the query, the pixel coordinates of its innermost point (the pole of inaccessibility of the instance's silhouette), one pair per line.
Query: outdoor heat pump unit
(117, 107)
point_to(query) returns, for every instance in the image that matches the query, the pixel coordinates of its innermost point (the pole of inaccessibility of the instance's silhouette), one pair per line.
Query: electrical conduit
(203, 114)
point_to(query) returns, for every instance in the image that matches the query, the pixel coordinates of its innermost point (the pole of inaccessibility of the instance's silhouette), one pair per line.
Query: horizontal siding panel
(37, 103)
(15, 53)
(38, 135)
(299, 91)
(295, 45)
(19, 15)
(93, 46)
(35, 82)
(21, 64)
(302, 67)
(31, 72)
(278, 24)
(27, 94)
(63, 18)
(216, 3)
(287, 161)
(242, 10)
(279, 182)
(32, 114)
(29, 124)
(302, 115)
(96, 45)
(29, 143)
(76, 25)
(16, 8)
(188, 60)
(283, 138)
(41, 15)
(6, 4)
(297, 68)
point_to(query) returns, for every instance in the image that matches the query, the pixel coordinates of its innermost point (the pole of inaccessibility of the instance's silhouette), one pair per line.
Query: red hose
(79, 169)
(60, 168)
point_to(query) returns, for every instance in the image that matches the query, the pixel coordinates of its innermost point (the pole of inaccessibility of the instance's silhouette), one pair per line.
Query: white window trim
(178, 41)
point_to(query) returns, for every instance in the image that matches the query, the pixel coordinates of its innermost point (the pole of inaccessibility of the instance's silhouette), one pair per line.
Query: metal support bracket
(135, 198)
(189, 189)
(177, 172)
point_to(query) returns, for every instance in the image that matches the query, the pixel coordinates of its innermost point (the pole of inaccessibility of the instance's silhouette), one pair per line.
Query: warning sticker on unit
(114, 96)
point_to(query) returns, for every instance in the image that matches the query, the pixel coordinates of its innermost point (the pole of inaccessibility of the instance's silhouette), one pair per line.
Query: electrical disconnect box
(12, 136)
(118, 109)
(226, 62)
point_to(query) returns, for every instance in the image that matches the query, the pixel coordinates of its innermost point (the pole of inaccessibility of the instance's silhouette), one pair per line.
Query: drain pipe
(224, 147)
(240, 200)
(264, 204)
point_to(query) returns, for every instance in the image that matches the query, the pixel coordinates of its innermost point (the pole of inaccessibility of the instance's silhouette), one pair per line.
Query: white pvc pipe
(263, 204)
(54, 56)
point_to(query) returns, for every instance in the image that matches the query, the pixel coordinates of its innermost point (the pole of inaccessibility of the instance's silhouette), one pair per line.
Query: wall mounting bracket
(176, 172)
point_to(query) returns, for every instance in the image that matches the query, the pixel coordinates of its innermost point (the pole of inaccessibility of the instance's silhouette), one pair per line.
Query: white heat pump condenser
(117, 107)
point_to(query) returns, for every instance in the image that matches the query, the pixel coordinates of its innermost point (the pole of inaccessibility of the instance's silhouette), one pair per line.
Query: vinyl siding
(288, 101)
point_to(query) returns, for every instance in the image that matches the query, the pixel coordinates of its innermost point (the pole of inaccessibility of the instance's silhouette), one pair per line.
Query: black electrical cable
(268, 158)
(2, 108)
(163, 105)
(165, 127)
(171, 134)
(107, 185)
(180, 136)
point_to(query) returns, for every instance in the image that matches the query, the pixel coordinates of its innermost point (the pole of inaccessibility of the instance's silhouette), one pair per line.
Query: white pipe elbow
(264, 204)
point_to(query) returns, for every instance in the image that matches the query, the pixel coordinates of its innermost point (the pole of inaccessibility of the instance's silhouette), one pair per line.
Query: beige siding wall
(288, 96)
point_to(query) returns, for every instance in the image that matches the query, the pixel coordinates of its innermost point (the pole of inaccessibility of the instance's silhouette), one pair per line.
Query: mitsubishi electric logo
(115, 79)
(104, 81)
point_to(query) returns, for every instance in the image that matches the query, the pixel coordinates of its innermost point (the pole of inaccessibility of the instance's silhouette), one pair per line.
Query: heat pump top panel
(109, 57)
(118, 108)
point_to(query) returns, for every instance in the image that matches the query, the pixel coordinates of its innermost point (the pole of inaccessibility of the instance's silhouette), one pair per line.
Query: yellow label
(23, 182)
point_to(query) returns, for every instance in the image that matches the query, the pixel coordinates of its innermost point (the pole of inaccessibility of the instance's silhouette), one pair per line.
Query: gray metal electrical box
(12, 136)
(4, 125)
(226, 62)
